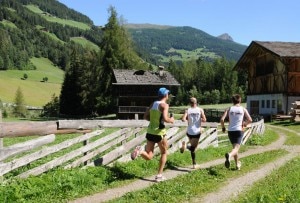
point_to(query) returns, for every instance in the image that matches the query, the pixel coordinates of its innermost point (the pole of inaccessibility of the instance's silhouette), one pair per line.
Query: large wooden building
(137, 89)
(273, 76)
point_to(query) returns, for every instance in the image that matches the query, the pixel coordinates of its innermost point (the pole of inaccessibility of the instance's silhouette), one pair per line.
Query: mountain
(225, 36)
(183, 43)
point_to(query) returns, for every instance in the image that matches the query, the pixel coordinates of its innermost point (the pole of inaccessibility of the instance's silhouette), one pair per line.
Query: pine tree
(116, 53)
(70, 97)
(19, 109)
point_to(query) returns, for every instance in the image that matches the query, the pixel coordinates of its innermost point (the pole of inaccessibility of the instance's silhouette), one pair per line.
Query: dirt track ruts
(222, 195)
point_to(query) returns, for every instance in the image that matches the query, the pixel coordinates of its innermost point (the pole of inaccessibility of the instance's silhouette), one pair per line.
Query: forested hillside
(165, 42)
(26, 34)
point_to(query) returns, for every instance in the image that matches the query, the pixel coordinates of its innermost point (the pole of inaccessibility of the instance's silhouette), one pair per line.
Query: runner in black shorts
(157, 114)
(236, 115)
(194, 116)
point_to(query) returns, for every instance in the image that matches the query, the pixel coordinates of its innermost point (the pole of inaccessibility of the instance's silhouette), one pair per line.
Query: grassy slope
(35, 93)
(85, 43)
(50, 18)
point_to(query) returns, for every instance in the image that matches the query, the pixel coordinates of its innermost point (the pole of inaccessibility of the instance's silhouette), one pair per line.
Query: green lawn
(36, 93)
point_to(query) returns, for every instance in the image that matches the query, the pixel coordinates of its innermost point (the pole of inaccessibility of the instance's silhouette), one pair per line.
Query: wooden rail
(96, 149)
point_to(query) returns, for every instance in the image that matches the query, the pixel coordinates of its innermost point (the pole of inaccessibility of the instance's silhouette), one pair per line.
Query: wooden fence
(94, 148)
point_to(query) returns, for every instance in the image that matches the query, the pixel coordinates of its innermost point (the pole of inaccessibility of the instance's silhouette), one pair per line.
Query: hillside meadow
(35, 92)
(54, 19)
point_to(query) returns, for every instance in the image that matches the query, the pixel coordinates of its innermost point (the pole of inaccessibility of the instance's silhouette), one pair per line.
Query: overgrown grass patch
(282, 185)
(198, 182)
(290, 129)
(290, 125)
(268, 137)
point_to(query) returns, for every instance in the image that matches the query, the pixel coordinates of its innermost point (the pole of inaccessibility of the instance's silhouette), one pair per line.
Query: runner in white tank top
(194, 120)
(236, 115)
(238, 119)
(194, 116)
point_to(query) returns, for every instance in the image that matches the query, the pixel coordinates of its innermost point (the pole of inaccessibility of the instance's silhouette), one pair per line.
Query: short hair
(236, 98)
(193, 100)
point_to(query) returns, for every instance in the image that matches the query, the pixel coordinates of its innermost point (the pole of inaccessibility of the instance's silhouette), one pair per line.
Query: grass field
(188, 55)
(85, 43)
(54, 19)
(35, 92)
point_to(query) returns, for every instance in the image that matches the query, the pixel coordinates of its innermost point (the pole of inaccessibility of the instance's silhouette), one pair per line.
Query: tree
(25, 76)
(51, 109)
(45, 79)
(19, 109)
(116, 53)
(215, 96)
(70, 97)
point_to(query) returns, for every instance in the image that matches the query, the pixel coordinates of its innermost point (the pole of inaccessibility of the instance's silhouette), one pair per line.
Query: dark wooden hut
(135, 90)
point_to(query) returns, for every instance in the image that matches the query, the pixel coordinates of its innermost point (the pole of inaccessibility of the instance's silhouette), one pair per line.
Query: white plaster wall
(286, 102)
(266, 97)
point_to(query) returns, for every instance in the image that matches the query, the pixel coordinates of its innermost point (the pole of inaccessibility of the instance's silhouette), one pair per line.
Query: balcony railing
(132, 109)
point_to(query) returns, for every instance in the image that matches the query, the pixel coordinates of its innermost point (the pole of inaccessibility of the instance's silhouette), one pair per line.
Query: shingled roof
(142, 77)
(280, 49)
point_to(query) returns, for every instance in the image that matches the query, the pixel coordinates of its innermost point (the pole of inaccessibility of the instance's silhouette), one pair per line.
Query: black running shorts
(235, 137)
(154, 138)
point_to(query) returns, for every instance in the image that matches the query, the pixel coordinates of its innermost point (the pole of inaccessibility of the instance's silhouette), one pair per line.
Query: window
(262, 103)
(254, 107)
(268, 103)
(273, 104)
(279, 106)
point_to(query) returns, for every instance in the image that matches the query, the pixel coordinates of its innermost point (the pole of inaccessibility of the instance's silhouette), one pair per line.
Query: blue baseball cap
(163, 91)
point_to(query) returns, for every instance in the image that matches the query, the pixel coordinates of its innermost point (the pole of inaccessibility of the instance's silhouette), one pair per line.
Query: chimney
(161, 71)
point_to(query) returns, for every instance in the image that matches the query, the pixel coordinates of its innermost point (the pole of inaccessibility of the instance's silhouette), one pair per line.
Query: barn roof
(142, 77)
(279, 49)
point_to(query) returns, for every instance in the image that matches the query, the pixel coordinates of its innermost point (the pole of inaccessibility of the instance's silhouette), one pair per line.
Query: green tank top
(155, 115)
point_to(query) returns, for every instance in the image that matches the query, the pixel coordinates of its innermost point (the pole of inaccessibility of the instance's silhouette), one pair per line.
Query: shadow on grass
(117, 173)
(285, 123)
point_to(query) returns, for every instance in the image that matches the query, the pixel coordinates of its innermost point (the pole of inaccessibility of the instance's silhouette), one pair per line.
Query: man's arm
(184, 116)
(165, 113)
(222, 120)
(203, 117)
(248, 118)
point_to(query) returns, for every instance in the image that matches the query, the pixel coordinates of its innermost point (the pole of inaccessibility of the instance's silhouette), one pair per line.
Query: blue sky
(243, 20)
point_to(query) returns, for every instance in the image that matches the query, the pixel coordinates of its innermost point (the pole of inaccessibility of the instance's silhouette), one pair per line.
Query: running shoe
(182, 147)
(238, 165)
(159, 178)
(227, 162)
(136, 152)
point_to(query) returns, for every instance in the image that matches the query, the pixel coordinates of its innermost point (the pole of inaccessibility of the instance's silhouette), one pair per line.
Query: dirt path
(224, 194)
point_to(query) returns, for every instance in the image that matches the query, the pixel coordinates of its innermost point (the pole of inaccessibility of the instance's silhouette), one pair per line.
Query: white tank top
(236, 115)
(194, 121)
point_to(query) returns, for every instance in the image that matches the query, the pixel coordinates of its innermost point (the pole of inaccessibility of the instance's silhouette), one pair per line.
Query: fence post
(1, 139)
(1, 144)
(86, 142)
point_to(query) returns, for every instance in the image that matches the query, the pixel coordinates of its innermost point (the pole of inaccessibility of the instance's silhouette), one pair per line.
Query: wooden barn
(273, 76)
(137, 89)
